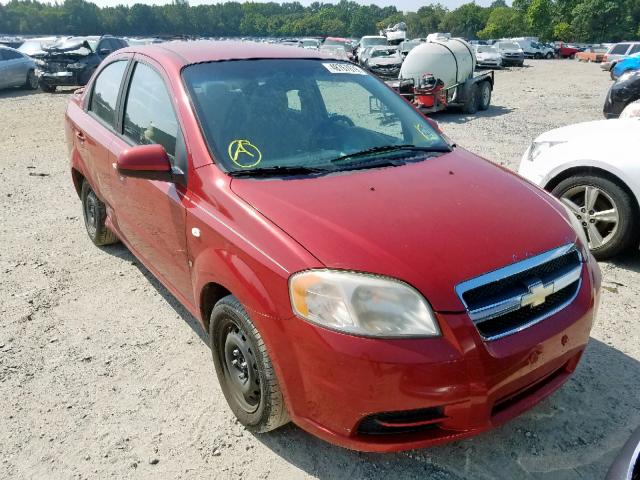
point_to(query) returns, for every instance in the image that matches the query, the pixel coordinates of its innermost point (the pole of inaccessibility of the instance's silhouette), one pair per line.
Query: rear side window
(149, 117)
(620, 49)
(11, 55)
(635, 49)
(105, 92)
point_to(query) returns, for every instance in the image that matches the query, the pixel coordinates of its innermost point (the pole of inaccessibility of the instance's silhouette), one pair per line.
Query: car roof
(182, 53)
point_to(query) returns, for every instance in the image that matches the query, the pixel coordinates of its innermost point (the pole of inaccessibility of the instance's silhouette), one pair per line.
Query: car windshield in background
(373, 42)
(508, 46)
(486, 49)
(384, 53)
(304, 114)
(334, 43)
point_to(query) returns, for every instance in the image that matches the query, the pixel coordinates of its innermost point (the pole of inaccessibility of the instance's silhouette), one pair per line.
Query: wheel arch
(210, 294)
(596, 171)
(77, 177)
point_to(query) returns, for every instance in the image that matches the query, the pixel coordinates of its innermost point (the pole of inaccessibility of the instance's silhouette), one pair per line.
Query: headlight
(361, 304)
(538, 148)
(577, 226)
(39, 62)
(74, 66)
(627, 75)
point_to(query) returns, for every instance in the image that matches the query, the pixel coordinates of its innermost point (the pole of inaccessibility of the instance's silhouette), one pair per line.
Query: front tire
(244, 369)
(31, 82)
(605, 209)
(471, 105)
(549, 56)
(45, 87)
(95, 214)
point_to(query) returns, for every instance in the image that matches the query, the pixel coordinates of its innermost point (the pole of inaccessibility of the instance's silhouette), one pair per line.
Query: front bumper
(333, 381)
(512, 60)
(65, 78)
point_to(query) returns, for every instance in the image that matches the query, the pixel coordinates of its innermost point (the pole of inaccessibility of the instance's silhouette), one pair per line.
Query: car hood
(385, 61)
(614, 131)
(432, 224)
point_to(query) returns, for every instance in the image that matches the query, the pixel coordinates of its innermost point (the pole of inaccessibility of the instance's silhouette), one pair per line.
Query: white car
(593, 169)
(488, 56)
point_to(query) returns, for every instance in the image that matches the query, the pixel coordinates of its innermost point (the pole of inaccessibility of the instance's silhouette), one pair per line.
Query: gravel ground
(103, 373)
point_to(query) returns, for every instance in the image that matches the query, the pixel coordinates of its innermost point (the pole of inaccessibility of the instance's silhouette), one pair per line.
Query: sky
(405, 5)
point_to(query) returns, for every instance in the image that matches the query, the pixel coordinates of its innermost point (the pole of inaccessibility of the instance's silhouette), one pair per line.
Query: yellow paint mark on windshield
(244, 153)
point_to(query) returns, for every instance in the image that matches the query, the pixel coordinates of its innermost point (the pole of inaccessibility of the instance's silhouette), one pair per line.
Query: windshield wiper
(276, 170)
(390, 148)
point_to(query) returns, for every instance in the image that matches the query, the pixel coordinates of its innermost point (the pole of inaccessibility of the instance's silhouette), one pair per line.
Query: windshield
(333, 42)
(309, 43)
(508, 46)
(373, 41)
(260, 114)
(486, 49)
(384, 53)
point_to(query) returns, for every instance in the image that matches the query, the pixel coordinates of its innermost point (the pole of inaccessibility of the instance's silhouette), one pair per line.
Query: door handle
(80, 136)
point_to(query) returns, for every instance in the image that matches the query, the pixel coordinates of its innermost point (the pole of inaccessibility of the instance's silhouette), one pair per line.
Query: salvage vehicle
(618, 52)
(511, 53)
(367, 42)
(317, 235)
(384, 62)
(337, 48)
(598, 181)
(395, 34)
(488, 56)
(310, 43)
(73, 60)
(628, 64)
(440, 73)
(624, 90)
(534, 49)
(16, 69)
(566, 51)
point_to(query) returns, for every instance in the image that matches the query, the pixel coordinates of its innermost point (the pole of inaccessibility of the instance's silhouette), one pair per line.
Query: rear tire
(484, 99)
(95, 214)
(471, 105)
(611, 197)
(549, 56)
(537, 55)
(244, 369)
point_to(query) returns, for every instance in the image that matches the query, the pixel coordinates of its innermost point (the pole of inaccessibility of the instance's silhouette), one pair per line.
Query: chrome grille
(520, 295)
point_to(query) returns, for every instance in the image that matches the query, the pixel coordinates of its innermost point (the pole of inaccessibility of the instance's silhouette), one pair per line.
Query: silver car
(17, 70)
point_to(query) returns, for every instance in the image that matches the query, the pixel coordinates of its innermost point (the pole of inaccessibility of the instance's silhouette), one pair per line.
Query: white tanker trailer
(441, 73)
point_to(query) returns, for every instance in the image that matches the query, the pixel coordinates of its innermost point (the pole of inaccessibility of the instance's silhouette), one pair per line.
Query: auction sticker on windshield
(344, 68)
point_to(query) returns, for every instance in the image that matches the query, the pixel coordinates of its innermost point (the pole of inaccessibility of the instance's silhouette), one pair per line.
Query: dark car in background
(16, 69)
(73, 60)
(624, 91)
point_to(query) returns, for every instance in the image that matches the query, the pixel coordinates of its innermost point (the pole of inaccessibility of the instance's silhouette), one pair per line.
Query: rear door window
(635, 49)
(105, 92)
(11, 55)
(149, 117)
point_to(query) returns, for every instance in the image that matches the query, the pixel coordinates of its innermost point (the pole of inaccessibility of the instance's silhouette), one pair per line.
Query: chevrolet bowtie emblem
(538, 293)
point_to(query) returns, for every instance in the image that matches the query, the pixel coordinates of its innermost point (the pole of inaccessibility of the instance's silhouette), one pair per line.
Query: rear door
(13, 68)
(96, 132)
(151, 214)
(4, 70)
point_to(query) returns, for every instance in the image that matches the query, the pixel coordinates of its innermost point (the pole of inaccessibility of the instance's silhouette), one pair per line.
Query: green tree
(539, 19)
(563, 32)
(503, 22)
(465, 21)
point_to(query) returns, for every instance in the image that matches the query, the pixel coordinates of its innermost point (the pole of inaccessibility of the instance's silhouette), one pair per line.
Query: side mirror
(150, 162)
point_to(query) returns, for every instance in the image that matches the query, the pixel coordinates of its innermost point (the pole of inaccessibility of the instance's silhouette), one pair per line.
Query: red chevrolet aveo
(356, 272)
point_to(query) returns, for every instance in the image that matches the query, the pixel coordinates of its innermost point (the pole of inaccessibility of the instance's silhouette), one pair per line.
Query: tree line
(566, 20)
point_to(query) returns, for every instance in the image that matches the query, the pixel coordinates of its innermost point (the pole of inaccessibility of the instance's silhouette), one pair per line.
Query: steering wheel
(337, 118)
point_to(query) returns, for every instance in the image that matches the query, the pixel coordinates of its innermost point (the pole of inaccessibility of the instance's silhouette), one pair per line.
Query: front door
(151, 214)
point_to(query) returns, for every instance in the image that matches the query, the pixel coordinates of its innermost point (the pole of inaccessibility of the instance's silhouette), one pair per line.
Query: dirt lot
(103, 374)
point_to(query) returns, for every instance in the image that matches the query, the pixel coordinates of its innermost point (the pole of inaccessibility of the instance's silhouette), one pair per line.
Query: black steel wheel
(244, 369)
(94, 213)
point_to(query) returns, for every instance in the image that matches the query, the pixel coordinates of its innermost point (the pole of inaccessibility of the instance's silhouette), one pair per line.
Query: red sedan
(357, 273)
